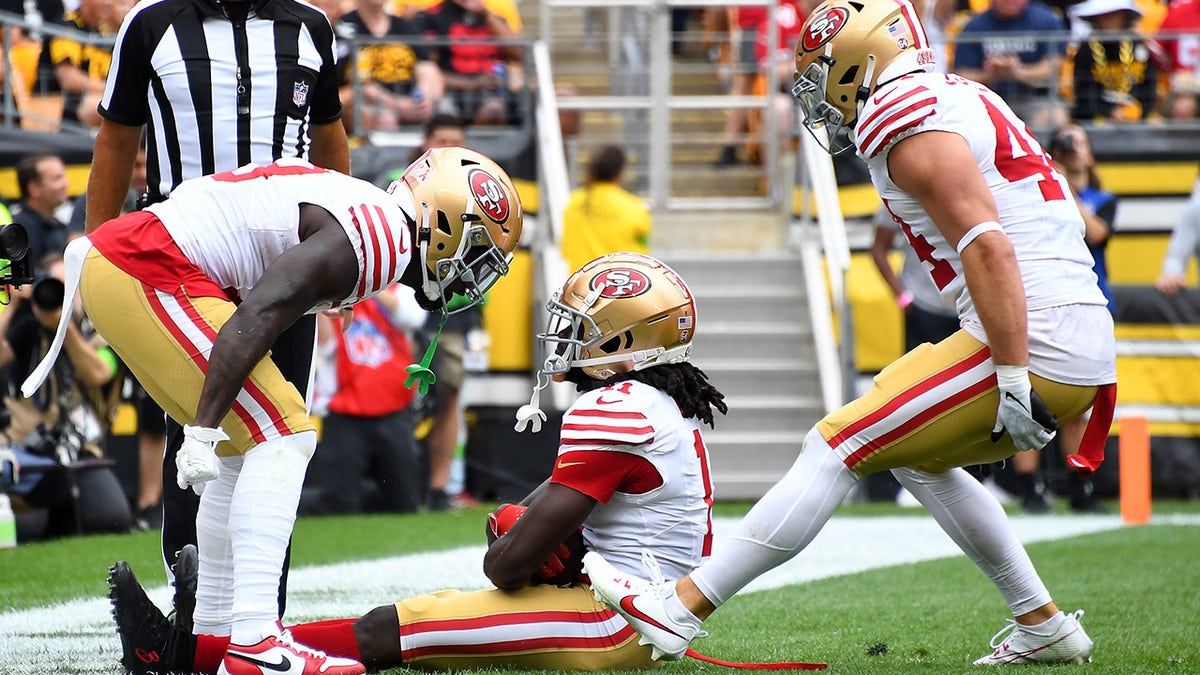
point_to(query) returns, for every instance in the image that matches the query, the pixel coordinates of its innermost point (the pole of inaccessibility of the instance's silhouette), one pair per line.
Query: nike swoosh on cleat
(1030, 652)
(283, 666)
(628, 606)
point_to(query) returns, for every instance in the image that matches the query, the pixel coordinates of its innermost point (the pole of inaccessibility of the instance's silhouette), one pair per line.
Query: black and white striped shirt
(217, 90)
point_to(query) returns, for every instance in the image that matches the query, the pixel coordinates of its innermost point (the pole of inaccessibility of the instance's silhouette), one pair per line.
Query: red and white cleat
(280, 655)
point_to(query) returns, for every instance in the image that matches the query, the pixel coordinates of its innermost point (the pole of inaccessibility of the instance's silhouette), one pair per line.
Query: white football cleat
(1016, 644)
(644, 606)
(280, 654)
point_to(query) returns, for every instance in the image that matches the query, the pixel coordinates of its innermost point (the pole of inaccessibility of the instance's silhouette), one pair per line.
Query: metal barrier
(634, 76)
(825, 248)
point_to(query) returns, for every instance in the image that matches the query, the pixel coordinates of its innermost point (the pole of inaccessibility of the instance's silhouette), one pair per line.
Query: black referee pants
(292, 354)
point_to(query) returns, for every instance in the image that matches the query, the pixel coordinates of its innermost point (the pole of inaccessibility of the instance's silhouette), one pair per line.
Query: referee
(216, 84)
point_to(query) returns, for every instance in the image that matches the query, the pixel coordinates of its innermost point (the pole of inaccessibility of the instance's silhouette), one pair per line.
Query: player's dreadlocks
(684, 382)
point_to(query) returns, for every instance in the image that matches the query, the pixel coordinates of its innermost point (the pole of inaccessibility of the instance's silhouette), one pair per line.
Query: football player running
(631, 468)
(993, 222)
(192, 292)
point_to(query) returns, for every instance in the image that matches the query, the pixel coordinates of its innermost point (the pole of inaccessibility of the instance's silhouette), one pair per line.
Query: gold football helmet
(847, 48)
(468, 223)
(619, 312)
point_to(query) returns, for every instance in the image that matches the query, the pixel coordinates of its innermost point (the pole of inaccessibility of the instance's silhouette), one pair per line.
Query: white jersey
(1036, 209)
(232, 225)
(628, 446)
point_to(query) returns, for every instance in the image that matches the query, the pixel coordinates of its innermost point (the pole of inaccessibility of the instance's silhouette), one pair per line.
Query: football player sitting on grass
(632, 467)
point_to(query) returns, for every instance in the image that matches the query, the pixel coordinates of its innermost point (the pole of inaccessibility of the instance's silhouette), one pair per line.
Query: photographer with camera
(42, 183)
(58, 432)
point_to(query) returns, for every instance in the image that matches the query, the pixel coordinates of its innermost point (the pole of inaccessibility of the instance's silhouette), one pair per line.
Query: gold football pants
(165, 339)
(934, 408)
(532, 628)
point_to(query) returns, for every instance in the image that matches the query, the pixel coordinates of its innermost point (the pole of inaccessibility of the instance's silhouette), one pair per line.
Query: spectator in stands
(743, 23)
(80, 66)
(506, 9)
(443, 131)
(1045, 116)
(24, 45)
(399, 84)
(1182, 105)
(1181, 41)
(64, 422)
(754, 64)
(42, 183)
(371, 460)
(1011, 48)
(477, 72)
(1184, 246)
(1115, 76)
(602, 217)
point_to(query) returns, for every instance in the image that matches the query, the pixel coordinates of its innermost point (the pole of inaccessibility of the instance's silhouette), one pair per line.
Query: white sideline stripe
(79, 636)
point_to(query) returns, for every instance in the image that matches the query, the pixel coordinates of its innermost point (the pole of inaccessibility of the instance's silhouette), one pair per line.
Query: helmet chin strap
(424, 234)
(531, 413)
(864, 89)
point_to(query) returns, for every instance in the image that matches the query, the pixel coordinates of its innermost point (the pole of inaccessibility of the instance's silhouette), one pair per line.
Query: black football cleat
(186, 570)
(148, 641)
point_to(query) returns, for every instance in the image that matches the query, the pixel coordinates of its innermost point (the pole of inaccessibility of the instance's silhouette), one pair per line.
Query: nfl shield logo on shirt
(300, 94)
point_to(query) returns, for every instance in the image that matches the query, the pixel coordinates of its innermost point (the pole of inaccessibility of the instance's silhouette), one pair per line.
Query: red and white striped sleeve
(606, 417)
(383, 244)
(892, 114)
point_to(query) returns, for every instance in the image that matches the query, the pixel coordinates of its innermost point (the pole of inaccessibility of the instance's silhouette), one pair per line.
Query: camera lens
(14, 243)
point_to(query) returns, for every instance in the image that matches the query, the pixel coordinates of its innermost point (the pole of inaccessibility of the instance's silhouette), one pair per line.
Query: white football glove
(1022, 413)
(196, 460)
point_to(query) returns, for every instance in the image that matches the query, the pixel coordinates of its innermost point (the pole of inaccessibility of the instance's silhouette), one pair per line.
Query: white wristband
(1011, 376)
(212, 435)
(974, 232)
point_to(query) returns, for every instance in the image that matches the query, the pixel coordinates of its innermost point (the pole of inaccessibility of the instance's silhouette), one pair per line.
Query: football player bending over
(192, 292)
(995, 226)
(632, 468)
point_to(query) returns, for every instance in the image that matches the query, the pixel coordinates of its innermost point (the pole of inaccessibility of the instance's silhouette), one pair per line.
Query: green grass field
(1140, 587)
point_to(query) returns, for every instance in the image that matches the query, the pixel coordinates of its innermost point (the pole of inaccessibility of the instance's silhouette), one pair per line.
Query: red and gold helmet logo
(620, 282)
(489, 194)
(822, 27)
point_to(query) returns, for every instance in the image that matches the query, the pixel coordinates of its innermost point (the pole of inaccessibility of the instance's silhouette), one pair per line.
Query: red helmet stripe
(914, 25)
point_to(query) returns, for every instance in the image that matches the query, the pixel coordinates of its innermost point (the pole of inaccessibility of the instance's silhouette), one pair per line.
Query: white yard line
(79, 636)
